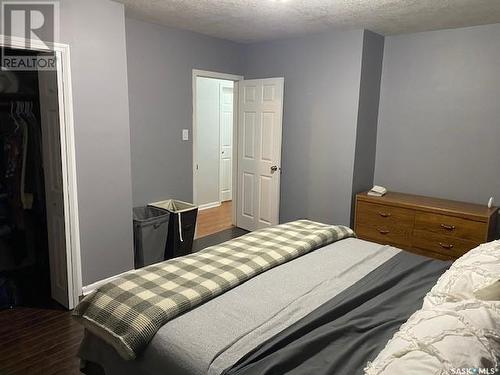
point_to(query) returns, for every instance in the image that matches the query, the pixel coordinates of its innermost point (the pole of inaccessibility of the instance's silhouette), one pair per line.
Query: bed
(331, 310)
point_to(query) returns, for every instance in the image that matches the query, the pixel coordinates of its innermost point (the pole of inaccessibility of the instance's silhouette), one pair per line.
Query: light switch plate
(185, 134)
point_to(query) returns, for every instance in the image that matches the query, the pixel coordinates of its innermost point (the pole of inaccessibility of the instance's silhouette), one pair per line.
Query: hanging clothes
(33, 192)
(13, 155)
(26, 199)
(21, 172)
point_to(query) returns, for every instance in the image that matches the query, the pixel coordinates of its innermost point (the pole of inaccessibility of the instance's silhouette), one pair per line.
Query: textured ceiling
(257, 20)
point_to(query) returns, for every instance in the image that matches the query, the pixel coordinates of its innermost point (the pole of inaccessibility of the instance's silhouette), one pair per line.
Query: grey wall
(369, 95)
(322, 77)
(102, 134)
(160, 63)
(439, 123)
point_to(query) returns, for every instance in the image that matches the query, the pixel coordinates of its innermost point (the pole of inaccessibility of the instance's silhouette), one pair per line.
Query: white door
(52, 168)
(226, 141)
(259, 152)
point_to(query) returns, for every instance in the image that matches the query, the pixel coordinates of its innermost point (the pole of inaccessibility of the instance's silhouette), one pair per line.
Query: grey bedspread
(127, 311)
(342, 335)
(215, 335)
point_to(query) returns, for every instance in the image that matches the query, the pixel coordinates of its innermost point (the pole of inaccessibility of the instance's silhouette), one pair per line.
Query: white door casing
(54, 186)
(259, 152)
(226, 141)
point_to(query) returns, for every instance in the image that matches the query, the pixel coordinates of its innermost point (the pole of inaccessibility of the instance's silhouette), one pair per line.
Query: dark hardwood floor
(38, 341)
(45, 341)
(217, 238)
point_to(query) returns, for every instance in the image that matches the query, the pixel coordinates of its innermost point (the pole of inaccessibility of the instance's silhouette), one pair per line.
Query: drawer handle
(384, 214)
(448, 227)
(446, 246)
(383, 231)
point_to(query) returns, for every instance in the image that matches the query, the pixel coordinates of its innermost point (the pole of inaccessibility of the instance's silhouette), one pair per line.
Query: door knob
(274, 168)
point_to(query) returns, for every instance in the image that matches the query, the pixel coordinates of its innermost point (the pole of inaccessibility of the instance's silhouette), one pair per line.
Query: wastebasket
(150, 235)
(181, 226)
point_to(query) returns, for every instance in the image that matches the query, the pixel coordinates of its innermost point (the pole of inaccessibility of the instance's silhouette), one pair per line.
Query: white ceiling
(258, 20)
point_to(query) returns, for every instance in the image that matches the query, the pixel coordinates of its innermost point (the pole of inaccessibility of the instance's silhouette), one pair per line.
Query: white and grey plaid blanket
(128, 311)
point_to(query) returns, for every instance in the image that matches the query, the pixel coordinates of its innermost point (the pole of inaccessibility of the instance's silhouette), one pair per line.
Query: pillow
(475, 275)
(451, 336)
(490, 292)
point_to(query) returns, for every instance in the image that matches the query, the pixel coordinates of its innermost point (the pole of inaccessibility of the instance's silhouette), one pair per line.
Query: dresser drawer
(372, 214)
(442, 244)
(384, 234)
(451, 226)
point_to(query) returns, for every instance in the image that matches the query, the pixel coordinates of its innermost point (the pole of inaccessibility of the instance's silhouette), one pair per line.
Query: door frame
(228, 77)
(68, 157)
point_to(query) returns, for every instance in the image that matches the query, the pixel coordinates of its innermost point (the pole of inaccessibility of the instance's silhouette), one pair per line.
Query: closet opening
(33, 271)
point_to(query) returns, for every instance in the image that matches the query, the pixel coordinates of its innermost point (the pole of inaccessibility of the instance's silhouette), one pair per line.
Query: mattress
(347, 332)
(215, 335)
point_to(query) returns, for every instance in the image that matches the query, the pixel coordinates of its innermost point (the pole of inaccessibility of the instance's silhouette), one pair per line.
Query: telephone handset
(378, 191)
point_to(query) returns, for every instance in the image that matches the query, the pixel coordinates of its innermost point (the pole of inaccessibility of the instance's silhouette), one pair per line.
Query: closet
(24, 255)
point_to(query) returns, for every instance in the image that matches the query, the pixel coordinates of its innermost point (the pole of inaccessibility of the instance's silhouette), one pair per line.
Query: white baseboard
(206, 206)
(91, 287)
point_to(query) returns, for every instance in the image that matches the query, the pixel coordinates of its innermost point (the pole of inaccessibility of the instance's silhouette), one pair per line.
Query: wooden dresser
(437, 228)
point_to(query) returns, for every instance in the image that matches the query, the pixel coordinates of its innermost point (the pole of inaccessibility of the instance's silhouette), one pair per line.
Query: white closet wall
(208, 140)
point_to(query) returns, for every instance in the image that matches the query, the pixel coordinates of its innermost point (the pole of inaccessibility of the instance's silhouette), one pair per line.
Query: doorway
(242, 172)
(213, 150)
(24, 249)
(39, 238)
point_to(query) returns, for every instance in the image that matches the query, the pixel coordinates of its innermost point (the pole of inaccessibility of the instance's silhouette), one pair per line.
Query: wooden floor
(38, 341)
(44, 341)
(214, 220)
